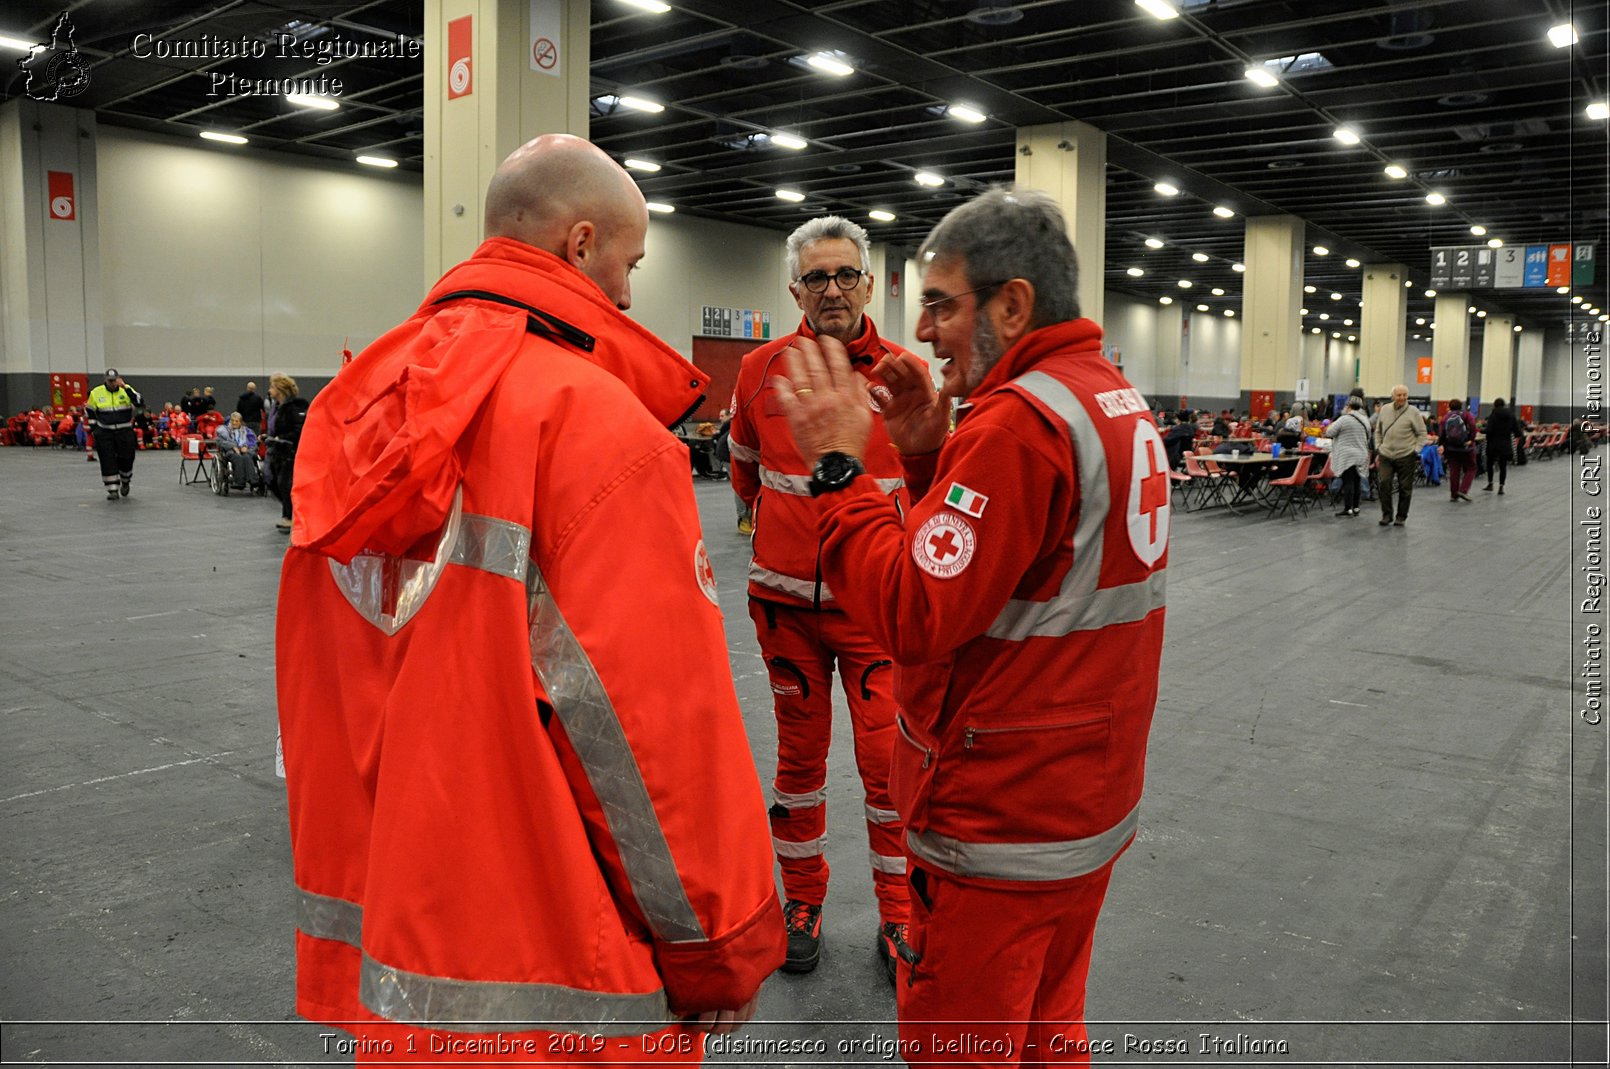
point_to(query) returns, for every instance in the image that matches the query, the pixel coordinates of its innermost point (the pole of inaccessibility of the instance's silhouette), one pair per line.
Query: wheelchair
(218, 475)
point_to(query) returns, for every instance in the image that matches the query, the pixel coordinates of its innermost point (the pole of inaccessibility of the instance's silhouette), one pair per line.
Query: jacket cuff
(724, 973)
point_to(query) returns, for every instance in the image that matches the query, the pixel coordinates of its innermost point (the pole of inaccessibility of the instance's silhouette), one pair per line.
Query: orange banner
(460, 67)
(1422, 370)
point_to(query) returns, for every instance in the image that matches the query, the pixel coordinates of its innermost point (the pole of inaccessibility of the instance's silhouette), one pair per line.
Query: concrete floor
(1374, 827)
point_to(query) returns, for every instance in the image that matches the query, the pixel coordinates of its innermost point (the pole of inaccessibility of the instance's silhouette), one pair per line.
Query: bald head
(564, 195)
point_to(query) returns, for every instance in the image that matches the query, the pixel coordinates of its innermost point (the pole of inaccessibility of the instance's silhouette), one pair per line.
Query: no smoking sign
(544, 54)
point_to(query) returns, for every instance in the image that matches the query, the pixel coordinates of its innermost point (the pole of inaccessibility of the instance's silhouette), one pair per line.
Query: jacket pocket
(911, 774)
(1033, 775)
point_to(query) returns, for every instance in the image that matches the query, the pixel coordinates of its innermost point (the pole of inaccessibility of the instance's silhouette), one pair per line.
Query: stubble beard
(986, 353)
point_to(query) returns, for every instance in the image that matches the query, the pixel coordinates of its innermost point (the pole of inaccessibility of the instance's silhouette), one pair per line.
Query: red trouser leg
(1001, 977)
(867, 675)
(801, 673)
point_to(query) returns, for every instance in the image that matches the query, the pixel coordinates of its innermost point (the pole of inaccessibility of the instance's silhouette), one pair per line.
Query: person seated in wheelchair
(237, 452)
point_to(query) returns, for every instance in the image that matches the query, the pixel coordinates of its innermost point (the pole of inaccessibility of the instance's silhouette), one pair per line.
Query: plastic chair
(193, 450)
(1206, 483)
(1291, 488)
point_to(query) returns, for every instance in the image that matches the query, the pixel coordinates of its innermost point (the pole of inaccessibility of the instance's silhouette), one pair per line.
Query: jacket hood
(377, 468)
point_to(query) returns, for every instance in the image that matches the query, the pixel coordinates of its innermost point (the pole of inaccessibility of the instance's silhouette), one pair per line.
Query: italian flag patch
(965, 501)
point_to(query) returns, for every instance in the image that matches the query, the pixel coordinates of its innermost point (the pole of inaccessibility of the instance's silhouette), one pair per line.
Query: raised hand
(916, 416)
(825, 400)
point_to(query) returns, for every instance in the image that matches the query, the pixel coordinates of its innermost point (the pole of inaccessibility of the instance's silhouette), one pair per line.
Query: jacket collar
(668, 385)
(865, 351)
(1080, 336)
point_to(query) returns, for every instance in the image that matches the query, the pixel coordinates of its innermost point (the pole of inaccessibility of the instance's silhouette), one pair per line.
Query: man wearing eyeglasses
(1022, 597)
(803, 632)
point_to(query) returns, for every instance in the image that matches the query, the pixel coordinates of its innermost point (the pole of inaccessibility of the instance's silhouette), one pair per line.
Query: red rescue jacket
(1022, 600)
(769, 473)
(520, 788)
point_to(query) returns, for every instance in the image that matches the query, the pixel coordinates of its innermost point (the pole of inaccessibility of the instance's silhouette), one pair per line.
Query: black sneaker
(123, 489)
(892, 946)
(803, 922)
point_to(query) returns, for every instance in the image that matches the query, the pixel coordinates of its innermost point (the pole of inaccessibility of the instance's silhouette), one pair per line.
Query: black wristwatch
(835, 471)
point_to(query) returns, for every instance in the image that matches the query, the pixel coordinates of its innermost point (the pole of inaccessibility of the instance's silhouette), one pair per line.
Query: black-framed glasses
(935, 305)
(846, 278)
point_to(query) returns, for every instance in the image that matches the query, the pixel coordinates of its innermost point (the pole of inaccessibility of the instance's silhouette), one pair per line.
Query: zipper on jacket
(967, 735)
(927, 754)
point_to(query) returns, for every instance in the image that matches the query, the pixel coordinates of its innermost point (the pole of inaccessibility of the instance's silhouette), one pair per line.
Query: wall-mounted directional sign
(715, 322)
(1511, 267)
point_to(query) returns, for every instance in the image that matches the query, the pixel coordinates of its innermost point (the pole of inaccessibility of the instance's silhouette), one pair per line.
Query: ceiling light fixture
(1347, 322)
(1478, 230)
(376, 161)
(653, 7)
(1309, 289)
(642, 104)
(303, 100)
(1166, 190)
(1472, 308)
(1201, 308)
(1563, 35)
(1346, 135)
(662, 209)
(18, 43)
(1314, 330)
(828, 63)
(1303, 311)
(1495, 243)
(966, 113)
(1324, 316)
(1199, 257)
(880, 215)
(642, 165)
(927, 178)
(793, 141)
(1223, 213)
(1134, 272)
(1562, 290)
(1352, 263)
(793, 196)
(1396, 170)
(1482, 314)
(1336, 334)
(228, 139)
(1599, 110)
(1154, 243)
(1158, 9)
(1230, 312)
(1165, 300)
(1185, 283)
(1436, 199)
(1419, 322)
(1320, 250)
(1336, 296)
(1431, 293)
(1574, 300)
(1517, 328)
(1238, 268)
(1262, 76)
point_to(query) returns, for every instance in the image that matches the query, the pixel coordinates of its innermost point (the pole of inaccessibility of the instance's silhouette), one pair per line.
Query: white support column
(1450, 346)
(1271, 303)
(1497, 360)
(1069, 161)
(518, 88)
(1382, 341)
(1528, 367)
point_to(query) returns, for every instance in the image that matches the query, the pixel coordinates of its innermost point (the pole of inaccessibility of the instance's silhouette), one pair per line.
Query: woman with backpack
(1458, 434)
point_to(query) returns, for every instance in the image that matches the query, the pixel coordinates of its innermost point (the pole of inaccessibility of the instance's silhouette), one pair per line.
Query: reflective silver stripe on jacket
(881, 816)
(472, 1005)
(594, 729)
(808, 848)
(1079, 605)
(884, 863)
(800, 485)
(742, 452)
(799, 801)
(324, 917)
(1023, 861)
(800, 588)
(496, 1006)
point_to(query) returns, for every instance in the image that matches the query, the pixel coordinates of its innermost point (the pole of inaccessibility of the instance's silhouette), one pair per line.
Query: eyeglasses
(935, 306)
(846, 278)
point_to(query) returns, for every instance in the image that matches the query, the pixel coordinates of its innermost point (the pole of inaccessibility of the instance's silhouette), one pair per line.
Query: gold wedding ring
(801, 392)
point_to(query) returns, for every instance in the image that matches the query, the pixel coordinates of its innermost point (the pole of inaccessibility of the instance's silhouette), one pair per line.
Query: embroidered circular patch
(944, 545)
(705, 574)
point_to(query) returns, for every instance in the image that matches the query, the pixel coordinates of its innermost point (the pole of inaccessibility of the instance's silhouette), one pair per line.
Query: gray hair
(826, 228)
(1011, 232)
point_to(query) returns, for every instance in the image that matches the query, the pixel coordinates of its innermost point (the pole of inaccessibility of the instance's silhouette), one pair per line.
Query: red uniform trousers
(1014, 959)
(800, 647)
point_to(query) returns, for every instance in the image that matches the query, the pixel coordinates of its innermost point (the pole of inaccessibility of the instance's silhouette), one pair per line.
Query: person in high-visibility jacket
(110, 411)
(803, 633)
(1022, 598)
(525, 822)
